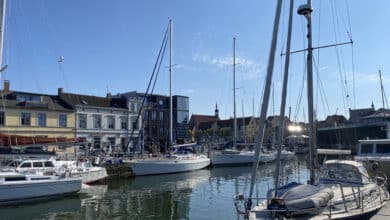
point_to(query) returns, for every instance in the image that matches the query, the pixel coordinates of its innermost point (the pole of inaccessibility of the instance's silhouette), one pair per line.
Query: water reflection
(203, 194)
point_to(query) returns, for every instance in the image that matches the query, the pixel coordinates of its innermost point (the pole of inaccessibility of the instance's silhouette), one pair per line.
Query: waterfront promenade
(383, 214)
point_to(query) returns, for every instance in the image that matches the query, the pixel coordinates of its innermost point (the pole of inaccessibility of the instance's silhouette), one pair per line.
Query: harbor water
(203, 194)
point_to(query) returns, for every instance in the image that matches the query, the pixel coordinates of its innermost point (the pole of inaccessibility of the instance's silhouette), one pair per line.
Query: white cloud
(249, 68)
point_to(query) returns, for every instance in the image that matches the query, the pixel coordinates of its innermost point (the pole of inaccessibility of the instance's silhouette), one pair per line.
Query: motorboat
(16, 188)
(75, 169)
(375, 155)
(344, 191)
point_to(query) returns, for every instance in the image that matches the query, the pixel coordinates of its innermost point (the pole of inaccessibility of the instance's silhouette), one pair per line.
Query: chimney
(109, 95)
(6, 86)
(60, 91)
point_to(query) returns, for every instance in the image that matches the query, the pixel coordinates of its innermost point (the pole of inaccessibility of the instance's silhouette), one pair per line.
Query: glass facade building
(181, 117)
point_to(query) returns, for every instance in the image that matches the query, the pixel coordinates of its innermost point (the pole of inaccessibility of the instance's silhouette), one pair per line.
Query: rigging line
(343, 90)
(353, 76)
(321, 91)
(149, 83)
(349, 19)
(300, 94)
(318, 52)
(159, 65)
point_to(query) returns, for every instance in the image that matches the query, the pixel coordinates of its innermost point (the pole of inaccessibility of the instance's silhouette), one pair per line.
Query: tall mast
(170, 87)
(3, 5)
(264, 106)
(383, 94)
(284, 95)
(234, 95)
(306, 11)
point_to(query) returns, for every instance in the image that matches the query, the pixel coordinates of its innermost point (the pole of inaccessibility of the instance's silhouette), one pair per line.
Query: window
(25, 118)
(41, 119)
(2, 118)
(96, 142)
(111, 122)
(182, 117)
(123, 123)
(97, 121)
(37, 164)
(146, 115)
(62, 122)
(383, 148)
(48, 164)
(154, 115)
(132, 107)
(366, 149)
(27, 164)
(111, 141)
(82, 121)
(161, 116)
(134, 123)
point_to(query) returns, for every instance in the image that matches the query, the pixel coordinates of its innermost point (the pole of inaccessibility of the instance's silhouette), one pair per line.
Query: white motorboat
(18, 188)
(231, 157)
(375, 155)
(287, 155)
(176, 163)
(74, 169)
(354, 195)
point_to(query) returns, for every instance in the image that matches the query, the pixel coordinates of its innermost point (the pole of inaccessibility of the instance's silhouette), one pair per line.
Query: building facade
(102, 121)
(33, 114)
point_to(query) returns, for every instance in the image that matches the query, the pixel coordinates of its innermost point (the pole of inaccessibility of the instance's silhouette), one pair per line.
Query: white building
(104, 121)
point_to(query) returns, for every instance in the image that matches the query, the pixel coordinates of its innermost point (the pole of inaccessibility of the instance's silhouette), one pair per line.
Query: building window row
(111, 122)
(25, 119)
(152, 115)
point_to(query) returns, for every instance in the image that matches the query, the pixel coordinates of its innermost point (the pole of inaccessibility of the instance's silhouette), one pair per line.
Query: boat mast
(170, 86)
(284, 95)
(306, 11)
(234, 95)
(264, 106)
(383, 95)
(3, 6)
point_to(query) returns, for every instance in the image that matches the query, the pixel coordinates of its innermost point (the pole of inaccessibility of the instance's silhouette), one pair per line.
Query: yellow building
(30, 114)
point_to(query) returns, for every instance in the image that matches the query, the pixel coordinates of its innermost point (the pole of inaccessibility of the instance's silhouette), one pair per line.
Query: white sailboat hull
(239, 159)
(90, 176)
(27, 191)
(142, 167)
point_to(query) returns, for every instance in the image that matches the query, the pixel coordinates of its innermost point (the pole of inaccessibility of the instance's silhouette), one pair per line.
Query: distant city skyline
(111, 46)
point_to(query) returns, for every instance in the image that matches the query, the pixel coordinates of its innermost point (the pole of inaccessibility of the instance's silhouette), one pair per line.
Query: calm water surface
(203, 194)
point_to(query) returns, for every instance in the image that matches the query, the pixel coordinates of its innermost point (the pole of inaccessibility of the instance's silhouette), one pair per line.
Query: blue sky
(112, 46)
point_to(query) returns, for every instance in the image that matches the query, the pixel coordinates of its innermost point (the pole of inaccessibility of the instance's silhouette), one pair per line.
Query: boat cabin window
(15, 178)
(383, 148)
(48, 164)
(37, 164)
(26, 165)
(366, 149)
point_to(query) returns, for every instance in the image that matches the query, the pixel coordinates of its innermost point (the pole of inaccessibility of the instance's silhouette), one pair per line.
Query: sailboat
(344, 189)
(235, 157)
(182, 159)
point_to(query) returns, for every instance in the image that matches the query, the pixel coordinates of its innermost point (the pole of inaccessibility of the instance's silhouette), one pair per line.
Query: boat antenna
(264, 106)
(284, 95)
(306, 11)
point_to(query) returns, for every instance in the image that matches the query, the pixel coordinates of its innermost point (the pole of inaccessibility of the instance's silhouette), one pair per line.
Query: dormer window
(28, 98)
